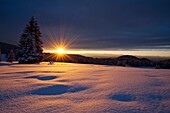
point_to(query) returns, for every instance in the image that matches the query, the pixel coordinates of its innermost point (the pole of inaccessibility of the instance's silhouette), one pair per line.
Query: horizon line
(149, 53)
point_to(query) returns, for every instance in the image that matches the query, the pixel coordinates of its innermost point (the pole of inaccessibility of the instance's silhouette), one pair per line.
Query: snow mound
(122, 97)
(83, 88)
(43, 77)
(57, 90)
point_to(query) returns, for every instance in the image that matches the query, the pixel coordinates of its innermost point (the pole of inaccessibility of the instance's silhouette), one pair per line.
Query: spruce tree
(11, 56)
(30, 44)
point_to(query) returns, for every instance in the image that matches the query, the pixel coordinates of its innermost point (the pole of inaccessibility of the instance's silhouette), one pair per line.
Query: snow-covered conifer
(11, 56)
(30, 44)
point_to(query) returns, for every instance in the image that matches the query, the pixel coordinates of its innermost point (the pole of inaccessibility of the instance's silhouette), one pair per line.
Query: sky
(102, 26)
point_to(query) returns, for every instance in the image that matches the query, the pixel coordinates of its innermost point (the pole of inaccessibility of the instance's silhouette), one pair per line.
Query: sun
(60, 51)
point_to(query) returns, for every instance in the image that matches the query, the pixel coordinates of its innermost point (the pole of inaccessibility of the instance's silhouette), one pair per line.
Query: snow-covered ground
(67, 87)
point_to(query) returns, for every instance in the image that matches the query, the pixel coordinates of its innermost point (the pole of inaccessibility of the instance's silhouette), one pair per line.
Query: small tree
(30, 44)
(11, 56)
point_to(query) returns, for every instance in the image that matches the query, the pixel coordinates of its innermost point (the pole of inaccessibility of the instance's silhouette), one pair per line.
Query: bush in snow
(30, 44)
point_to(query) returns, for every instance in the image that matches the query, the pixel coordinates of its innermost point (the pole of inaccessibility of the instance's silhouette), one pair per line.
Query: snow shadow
(151, 76)
(42, 77)
(57, 90)
(29, 72)
(145, 97)
(153, 97)
(22, 72)
(63, 80)
(122, 97)
(6, 64)
(49, 71)
(157, 83)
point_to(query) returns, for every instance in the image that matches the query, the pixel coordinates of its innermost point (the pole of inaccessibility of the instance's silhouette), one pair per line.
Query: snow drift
(67, 87)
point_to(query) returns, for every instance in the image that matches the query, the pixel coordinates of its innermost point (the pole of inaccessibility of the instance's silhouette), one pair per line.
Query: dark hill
(125, 60)
(129, 60)
(5, 48)
(164, 64)
(124, 57)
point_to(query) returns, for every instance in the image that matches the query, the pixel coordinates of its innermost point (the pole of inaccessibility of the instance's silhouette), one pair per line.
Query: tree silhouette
(30, 44)
(11, 56)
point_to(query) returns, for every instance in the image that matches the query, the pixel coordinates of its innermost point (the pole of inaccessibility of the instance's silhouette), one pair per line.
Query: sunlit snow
(72, 88)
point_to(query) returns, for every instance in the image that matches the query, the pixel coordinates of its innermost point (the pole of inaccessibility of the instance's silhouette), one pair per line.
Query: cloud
(99, 24)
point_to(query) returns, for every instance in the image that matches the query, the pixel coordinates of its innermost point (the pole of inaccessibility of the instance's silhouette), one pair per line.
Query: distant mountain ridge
(124, 57)
(124, 60)
(129, 60)
(5, 47)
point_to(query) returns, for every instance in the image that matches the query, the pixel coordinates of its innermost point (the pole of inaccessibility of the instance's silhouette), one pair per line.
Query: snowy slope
(67, 87)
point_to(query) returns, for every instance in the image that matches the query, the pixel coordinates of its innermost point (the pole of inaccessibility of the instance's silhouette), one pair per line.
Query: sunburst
(60, 51)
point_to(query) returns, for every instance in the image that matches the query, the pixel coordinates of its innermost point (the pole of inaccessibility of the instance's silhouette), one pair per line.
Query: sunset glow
(85, 56)
(60, 51)
(111, 52)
